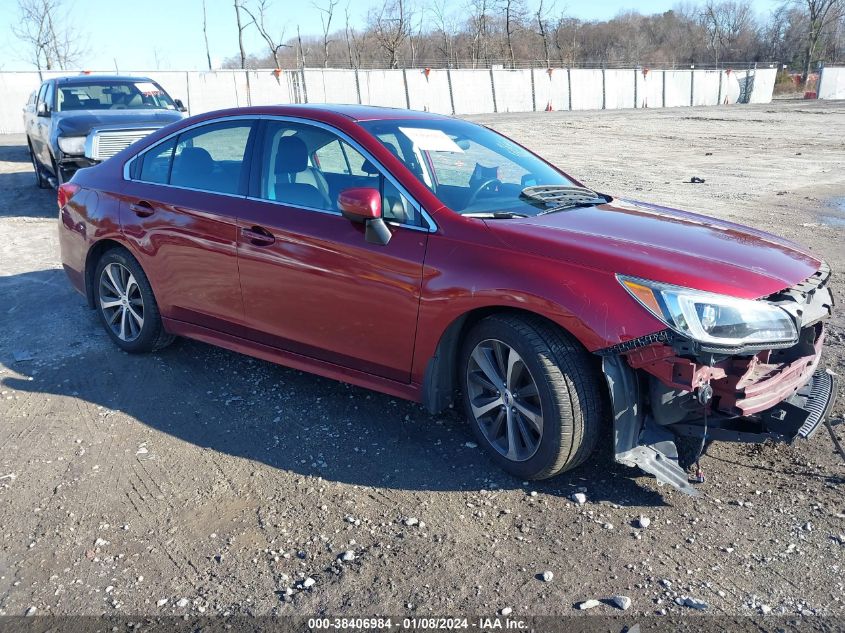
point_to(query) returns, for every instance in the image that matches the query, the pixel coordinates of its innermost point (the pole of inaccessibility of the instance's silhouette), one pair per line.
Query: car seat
(296, 182)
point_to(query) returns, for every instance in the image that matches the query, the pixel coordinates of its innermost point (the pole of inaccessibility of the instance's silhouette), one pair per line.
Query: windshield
(113, 95)
(472, 169)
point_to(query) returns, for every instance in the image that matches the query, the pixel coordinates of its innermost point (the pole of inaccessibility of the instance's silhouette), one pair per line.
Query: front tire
(531, 394)
(126, 304)
(40, 180)
(60, 176)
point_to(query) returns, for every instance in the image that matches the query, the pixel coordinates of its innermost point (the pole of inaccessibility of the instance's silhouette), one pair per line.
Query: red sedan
(426, 257)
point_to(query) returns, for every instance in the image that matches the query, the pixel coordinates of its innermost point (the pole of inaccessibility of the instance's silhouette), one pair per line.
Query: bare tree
(50, 41)
(301, 52)
(391, 25)
(479, 23)
(542, 16)
(258, 17)
(351, 48)
(726, 23)
(205, 34)
(326, 15)
(821, 14)
(241, 28)
(444, 29)
(514, 15)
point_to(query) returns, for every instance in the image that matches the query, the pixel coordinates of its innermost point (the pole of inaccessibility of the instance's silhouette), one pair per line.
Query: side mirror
(179, 105)
(43, 109)
(363, 205)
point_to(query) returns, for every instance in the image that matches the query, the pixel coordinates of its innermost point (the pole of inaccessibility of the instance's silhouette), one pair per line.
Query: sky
(167, 34)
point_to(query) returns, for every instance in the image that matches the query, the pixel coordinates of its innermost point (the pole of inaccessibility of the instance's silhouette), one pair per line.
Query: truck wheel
(531, 394)
(57, 170)
(40, 180)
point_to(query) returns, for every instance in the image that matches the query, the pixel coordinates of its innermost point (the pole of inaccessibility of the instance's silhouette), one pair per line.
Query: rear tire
(126, 304)
(40, 180)
(531, 394)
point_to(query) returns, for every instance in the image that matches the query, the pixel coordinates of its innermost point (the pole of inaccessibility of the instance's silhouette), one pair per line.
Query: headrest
(195, 160)
(368, 168)
(291, 155)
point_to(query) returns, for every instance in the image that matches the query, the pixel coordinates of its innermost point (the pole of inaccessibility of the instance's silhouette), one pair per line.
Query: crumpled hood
(662, 244)
(80, 122)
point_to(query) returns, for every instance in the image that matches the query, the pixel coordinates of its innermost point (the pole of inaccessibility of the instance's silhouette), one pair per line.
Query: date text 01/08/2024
(422, 623)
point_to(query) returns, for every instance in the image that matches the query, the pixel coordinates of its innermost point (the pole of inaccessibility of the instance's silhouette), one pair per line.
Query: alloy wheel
(121, 302)
(504, 399)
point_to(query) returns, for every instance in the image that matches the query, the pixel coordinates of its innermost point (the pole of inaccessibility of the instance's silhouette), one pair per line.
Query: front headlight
(72, 145)
(712, 318)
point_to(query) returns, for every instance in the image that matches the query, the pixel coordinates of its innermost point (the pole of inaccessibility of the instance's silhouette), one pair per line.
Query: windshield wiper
(562, 197)
(495, 215)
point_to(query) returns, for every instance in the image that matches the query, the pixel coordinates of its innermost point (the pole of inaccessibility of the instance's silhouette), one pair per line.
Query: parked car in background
(74, 122)
(426, 257)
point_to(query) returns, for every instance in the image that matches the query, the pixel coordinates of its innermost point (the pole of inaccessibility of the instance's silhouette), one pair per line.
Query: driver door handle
(258, 236)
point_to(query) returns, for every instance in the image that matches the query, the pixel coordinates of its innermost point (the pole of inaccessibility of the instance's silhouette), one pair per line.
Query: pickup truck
(75, 122)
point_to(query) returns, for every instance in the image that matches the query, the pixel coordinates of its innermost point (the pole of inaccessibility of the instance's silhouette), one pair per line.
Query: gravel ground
(200, 481)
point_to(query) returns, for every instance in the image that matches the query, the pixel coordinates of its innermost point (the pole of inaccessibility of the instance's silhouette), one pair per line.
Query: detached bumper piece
(799, 416)
(637, 439)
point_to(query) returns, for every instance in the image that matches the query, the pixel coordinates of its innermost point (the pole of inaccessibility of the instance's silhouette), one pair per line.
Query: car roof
(356, 112)
(86, 79)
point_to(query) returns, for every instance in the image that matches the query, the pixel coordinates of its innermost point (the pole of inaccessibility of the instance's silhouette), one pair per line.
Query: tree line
(482, 33)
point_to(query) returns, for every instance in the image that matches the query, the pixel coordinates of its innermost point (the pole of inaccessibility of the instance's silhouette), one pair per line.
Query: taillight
(66, 192)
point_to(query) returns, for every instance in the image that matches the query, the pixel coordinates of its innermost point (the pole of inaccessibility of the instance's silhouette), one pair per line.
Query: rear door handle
(142, 209)
(258, 236)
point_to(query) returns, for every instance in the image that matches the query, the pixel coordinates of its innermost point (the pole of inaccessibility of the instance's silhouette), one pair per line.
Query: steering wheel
(479, 188)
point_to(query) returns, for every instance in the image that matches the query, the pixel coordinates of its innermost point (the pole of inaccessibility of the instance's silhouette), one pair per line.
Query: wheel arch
(441, 380)
(94, 254)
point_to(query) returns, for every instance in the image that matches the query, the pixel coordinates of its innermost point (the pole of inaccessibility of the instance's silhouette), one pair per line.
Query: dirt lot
(200, 481)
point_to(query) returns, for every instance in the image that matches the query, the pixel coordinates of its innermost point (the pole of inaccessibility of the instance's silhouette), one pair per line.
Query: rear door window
(156, 163)
(208, 158)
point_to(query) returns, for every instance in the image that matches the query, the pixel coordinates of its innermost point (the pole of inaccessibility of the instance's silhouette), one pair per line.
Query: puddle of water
(831, 220)
(837, 218)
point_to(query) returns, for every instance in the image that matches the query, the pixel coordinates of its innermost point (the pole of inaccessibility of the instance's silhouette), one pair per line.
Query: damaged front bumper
(663, 389)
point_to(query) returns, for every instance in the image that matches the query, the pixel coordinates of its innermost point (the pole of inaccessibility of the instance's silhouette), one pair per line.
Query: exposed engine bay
(669, 390)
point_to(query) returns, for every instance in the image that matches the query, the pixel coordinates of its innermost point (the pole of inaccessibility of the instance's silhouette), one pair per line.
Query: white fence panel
(429, 90)
(705, 87)
(15, 88)
(677, 89)
(217, 90)
(649, 88)
(619, 89)
(832, 83)
(586, 88)
(732, 86)
(382, 87)
(268, 88)
(331, 86)
(513, 90)
(551, 89)
(471, 91)
(764, 85)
